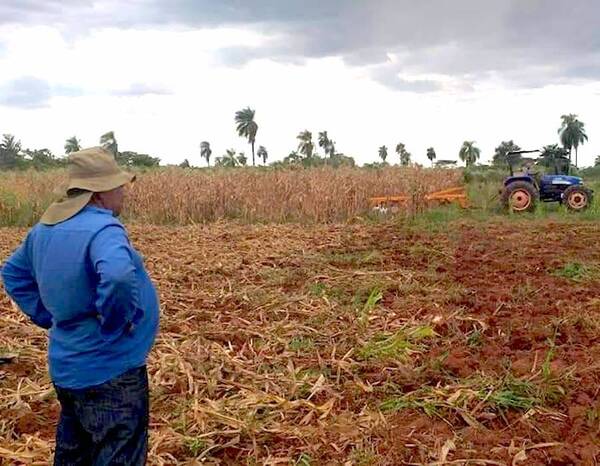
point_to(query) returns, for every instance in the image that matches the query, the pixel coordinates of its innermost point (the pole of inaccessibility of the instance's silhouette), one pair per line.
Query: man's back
(94, 295)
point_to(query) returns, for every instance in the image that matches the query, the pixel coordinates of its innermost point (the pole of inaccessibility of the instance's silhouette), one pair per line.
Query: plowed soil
(357, 344)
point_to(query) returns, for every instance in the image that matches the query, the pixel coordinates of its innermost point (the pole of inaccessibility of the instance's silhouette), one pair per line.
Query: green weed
(282, 277)
(430, 405)
(301, 344)
(475, 339)
(317, 289)
(399, 345)
(515, 394)
(546, 370)
(359, 258)
(303, 460)
(374, 298)
(364, 456)
(578, 272)
(494, 395)
(195, 446)
(552, 388)
(593, 417)
(322, 290)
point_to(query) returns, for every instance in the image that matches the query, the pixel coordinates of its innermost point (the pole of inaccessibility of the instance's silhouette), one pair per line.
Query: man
(77, 275)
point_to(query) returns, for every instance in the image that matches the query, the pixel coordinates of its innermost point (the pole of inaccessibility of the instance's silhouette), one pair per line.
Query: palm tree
(109, 142)
(205, 151)
(263, 154)
(306, 145)
(572, 134)
(72, 145)
(553, 156)
(403, 154)
(431, 155)
(247, 127)
(229, 160)
(469, 153)
(383, 153)
(327, 144)
(293, 158)
(242, 159)
(10, 151)
(10, 144)
(501, 154)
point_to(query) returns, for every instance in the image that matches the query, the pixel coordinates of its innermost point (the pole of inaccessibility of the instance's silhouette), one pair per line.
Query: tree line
(304, 155)
(13, 156)
(571, 136)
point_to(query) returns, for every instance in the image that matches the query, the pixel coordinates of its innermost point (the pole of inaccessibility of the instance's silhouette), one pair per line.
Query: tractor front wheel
(520, 196)
(577, 198)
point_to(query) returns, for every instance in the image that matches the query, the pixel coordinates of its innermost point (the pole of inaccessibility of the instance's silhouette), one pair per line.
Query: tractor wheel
(520, 196)
(577, 198)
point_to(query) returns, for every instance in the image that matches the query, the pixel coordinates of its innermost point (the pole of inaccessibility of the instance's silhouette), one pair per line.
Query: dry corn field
(176, 196)
(361, 344)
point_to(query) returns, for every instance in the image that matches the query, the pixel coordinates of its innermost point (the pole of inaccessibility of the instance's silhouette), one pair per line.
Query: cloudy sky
(167, 74)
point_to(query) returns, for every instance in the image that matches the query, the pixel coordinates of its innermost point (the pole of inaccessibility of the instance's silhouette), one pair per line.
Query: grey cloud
(65, 90)
(140, 89)
(41, 11)
(388, 76)
(26, 92)
(238, 56)
(466, 40)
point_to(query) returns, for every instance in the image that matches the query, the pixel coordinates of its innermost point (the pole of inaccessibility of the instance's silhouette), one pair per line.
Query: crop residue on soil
(359, 344)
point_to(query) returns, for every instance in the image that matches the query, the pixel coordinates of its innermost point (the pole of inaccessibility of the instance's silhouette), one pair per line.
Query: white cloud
(163, 91)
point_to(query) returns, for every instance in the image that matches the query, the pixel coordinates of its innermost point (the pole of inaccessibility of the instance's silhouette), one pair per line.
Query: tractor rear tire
(520, 196)
(577, 198)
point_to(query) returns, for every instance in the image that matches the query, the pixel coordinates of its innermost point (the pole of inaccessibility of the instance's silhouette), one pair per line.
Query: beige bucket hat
(91, 171)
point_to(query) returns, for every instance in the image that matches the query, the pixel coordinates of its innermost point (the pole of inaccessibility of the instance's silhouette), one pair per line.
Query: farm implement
(520, 192)
(456, 195)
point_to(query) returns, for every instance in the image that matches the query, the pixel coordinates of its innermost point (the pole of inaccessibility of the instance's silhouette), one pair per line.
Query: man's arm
(117, 294)
(20, 285)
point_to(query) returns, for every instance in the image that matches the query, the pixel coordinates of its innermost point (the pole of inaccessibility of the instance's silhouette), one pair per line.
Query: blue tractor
(522, 191)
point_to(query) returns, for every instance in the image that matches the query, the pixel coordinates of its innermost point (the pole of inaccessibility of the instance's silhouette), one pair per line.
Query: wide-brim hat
(93, 170)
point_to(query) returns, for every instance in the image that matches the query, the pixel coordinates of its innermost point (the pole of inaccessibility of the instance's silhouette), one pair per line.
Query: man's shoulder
(89, 221)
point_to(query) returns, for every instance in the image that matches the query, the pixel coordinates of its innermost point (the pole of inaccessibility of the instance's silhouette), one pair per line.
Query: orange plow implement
(447, 196)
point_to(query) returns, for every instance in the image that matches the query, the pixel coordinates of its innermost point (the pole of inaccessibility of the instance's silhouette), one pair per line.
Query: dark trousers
(106, 424)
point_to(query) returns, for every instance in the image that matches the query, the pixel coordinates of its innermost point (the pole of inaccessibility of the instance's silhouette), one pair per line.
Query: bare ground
(358, 344)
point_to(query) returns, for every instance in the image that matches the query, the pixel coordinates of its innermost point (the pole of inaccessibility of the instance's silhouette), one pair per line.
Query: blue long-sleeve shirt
(82, 280)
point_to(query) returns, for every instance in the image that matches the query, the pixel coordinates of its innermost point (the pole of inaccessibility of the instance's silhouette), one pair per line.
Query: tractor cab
(522, 190)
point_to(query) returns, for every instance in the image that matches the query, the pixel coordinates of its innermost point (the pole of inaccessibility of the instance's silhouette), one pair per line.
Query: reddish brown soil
(263, 331)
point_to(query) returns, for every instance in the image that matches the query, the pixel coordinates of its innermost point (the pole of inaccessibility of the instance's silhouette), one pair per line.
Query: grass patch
(425, 400)
(303, 460)
(552, 388)
(359, 258)
(578, 272)
(301, 344)
(515, 394)
(317, 289)
(336, 293)
(374, 298)
(282, 277)
(195, 446)
(469, 398)
(399, 345)
(475, 339)
(364, 456)
(593, 418)
(434, 220)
